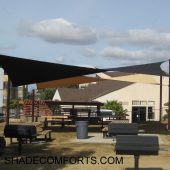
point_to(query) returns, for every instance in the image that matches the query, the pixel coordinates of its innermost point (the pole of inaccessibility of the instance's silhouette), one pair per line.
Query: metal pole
(160, 115)
(33, 100)
(8, 100)
(169, 100)
(20, 145)
(99, 115)
(98, 110)
(136, 157)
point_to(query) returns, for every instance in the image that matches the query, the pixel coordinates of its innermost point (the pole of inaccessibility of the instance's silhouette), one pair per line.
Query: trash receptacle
(82, 129)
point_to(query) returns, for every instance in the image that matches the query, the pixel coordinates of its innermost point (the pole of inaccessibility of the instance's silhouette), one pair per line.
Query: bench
(114, 129)
(23, 133)
(136, 145)
(60, 119)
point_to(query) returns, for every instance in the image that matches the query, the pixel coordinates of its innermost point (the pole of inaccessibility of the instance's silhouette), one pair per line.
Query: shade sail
(67, 81)
(138, 78)
(25, 71)
(152, 69)
(135, 78)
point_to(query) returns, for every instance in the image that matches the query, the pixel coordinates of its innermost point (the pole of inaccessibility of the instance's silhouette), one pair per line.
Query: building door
(142, 114)
(135, 114)
(138, 114)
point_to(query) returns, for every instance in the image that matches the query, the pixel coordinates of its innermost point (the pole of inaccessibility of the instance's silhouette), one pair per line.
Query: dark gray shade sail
(25, 71)
(151, 69)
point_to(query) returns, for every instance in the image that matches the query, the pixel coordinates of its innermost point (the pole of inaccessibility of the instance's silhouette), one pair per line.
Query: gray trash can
(82, 129)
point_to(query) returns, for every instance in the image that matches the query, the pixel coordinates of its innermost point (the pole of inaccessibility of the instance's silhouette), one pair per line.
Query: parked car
(105, 114)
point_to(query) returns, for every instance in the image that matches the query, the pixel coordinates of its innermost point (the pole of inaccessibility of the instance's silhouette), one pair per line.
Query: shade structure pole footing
(136, 159)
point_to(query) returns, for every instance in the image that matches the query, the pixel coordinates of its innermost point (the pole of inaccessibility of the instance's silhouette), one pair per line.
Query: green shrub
(116, 107)
(165, 117)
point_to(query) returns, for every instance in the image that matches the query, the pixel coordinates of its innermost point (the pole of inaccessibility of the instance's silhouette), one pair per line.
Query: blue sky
(101, 33)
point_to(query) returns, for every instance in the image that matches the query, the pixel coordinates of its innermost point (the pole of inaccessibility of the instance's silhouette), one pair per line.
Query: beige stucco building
(15, 92)
(142, 100)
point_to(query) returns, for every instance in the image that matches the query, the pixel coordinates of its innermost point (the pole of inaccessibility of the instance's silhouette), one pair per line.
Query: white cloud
(137, 46)
(135, 56)
(142, 37)
(59, 31)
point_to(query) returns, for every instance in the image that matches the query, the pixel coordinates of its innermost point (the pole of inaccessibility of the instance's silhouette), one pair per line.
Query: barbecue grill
(137, 145)
(21, 132)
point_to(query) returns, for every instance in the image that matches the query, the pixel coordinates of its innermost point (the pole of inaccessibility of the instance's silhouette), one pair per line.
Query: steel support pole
(160, 101)
(8, 100)
(136, 158)
(169, 100)
(33, 103)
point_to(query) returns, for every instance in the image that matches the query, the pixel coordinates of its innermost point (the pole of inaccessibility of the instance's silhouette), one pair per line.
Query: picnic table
(114, 129)
(59, 119)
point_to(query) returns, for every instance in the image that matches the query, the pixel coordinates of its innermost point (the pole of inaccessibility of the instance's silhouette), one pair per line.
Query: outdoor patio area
(95, 152)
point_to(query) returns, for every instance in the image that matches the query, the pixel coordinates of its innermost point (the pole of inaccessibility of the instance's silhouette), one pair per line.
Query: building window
(135, 102)
(144, 103)
(151, 103)
(151, 113)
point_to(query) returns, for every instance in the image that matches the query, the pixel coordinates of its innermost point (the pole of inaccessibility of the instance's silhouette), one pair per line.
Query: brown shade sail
(67, 82)
(25, 71)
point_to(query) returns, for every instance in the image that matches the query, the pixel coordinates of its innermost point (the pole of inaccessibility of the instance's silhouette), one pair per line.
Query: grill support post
(20, 145)
(136, 158)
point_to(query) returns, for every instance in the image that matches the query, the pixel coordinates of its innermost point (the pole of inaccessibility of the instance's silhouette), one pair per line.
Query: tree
(29, 95)
(116, 107)
(56, 109)
(75, 86)
(14, 104)
(46, 94)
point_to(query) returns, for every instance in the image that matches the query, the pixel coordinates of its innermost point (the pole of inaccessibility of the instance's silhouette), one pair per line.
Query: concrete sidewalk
(98, 138)
(94, 138)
